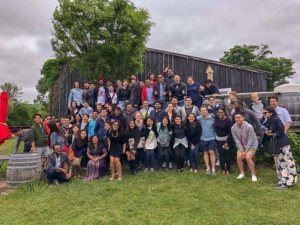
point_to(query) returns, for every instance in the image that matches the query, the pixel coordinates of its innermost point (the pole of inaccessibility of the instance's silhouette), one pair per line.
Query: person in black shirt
(210, 88)
(178, 89)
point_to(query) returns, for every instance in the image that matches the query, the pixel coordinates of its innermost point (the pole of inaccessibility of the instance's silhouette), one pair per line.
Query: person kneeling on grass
(246, 143)
(59, 168)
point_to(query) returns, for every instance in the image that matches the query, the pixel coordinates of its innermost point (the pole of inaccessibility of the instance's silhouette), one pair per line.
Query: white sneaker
(241, 176)
(254, 178)
(218, 163)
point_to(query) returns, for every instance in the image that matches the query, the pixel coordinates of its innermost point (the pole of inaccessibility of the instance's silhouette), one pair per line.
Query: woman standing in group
(224, 140)
(171, 113)
(96, 152)
(150, 143)
(79, 147)
(284, 161)
(179, 138)
(140, 152)
(116, 146)
(194, 131)
(73, 109)
(133, 136)
(77, 120)
(164, 131)
(55, 137)
(123, 94)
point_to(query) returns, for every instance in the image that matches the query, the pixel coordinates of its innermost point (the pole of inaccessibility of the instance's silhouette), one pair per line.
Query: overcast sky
(203, 28)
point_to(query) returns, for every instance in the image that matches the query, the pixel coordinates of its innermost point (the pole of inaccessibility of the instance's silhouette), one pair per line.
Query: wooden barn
(240, 79)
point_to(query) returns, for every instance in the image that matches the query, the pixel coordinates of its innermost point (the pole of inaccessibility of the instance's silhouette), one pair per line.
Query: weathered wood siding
(239, 78)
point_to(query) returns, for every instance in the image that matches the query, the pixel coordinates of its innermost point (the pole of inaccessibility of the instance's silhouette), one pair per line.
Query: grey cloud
(201, 28)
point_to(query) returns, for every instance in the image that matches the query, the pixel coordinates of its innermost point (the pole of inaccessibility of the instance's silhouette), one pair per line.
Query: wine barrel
(23, 168)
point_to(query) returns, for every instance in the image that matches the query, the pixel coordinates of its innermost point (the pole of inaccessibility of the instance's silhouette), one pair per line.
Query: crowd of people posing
(157, 124)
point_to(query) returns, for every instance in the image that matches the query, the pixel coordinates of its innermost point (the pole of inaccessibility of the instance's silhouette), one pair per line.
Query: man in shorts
(246, 143)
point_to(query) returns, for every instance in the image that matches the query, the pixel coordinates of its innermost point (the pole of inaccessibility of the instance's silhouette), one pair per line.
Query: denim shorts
(208, 145)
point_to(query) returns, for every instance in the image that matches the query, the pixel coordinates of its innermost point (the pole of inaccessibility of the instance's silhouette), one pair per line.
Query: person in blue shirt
(207, 140)
(75, 95)
(193, 91)
(92, 124)
(86, 109)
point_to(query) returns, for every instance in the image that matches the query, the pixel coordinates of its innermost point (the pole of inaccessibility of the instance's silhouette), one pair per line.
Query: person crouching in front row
(246, 143)
(59, 168)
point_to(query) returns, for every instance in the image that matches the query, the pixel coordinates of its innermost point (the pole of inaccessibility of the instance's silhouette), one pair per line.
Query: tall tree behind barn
(240, 79)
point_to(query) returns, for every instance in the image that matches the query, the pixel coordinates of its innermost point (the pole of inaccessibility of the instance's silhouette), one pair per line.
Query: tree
(100, 36)
(257, 57)
(14, 92)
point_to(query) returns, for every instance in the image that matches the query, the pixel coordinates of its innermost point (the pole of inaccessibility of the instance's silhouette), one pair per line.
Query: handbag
(273, 146)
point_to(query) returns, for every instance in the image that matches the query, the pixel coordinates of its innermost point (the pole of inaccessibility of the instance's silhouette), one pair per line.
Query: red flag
(4, 131)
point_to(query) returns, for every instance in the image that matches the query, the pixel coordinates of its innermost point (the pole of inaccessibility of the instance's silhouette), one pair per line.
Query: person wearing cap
(22, 135)
(210, 88)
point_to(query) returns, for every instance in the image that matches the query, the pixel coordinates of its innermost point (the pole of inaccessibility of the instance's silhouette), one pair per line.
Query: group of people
(159, 123)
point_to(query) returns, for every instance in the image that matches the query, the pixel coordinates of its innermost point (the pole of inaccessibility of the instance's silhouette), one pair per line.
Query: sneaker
(195, 171)
(213, 173)
(120, 178)
(145, 170)
(254, 178)
(181, 169)
(191, 170)
(111, 178)
(170, 166)
(164, 165)
(152, 170)
(218, 163)
(208, 172)
(241, 176)
(55, 182)
(282, 187)
(178, 170)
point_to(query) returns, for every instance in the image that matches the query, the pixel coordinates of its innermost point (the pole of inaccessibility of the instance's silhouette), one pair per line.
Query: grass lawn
(158, 198)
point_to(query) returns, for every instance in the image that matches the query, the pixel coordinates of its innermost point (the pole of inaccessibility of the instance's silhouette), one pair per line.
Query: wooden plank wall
(240, 79)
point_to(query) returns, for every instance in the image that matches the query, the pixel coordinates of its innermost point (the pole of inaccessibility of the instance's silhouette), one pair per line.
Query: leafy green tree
(257, 57)
(100, 36)
(14, 92)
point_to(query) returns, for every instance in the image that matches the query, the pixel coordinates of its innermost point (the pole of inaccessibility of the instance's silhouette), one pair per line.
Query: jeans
(164, 155)
(194, 157)
(225, 156)
(53, 175)
(149, 159)
(43, 151)
(179, 156)
(140, 157)
(27, 148)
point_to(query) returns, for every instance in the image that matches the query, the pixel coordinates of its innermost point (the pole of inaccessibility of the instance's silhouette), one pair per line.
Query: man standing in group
(246, 144)
(148, 93)
(161, 91)
(75, 95)
(193, 90)
(178, 89)
(188, 108)
(146, 109)
(59, 167)
(22, 135)
(135, 93)
(101, 91)
(282, 113)
(210, 88)
(257, 106)
(39, 137)
(158, 114)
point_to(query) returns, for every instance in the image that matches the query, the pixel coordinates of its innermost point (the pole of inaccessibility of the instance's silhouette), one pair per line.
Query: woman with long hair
(164, 131)
(224, 140)
(150, 143)
(194, 131)
(73, 109)
(179, 138)
(171, 113)
(55, 136)
(79, 147)
(77, 119)
(116, 146)
(96, 152)
(140, 151)
(284, 161)
(133, 136)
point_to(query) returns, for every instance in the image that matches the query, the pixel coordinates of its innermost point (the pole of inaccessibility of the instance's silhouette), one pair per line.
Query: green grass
(7, 147)
(158, 198)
